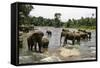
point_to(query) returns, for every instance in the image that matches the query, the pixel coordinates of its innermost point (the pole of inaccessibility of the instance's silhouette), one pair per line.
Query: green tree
(68, 23)
(24, 11)
(57, 19)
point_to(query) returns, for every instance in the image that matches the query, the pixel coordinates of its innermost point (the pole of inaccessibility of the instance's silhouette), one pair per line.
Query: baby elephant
(49, 33)
(45, 43)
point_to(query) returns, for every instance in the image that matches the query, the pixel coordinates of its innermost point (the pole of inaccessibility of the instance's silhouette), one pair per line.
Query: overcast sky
(66, 12)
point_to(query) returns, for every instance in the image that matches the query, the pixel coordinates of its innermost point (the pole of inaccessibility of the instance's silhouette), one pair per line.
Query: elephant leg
(65, 41)
(39, 45)
(29, 46)
(78, 41)
(89, 37)
(47, 44)
(60, 40)
(35, 46)
(73, 42)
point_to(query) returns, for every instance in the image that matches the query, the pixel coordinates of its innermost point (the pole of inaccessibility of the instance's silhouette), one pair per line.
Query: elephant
(89, 34)
(86, 33)
(30, 43)
(35, 39)
(83, 35)
(45, 43)
(70, 36)
(63, 34)
(81, 30)
(77, 36)
(49, 33)
(65, 30)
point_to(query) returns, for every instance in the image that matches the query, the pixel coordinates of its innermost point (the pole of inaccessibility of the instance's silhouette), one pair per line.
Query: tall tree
(24, 11)
(57, 19)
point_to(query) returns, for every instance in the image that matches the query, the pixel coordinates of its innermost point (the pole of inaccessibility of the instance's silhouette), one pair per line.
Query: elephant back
(37, 35)
(66, 30)
(45, 39)
(77, 35)
(70, 35)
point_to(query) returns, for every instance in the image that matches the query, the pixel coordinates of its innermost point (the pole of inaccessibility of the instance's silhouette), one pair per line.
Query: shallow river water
(87, 49)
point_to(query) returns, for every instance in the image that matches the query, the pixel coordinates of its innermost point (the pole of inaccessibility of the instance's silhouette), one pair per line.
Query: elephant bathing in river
(49, 33)
(88, 33)
(45, 43)
(34, 40)
(70, 36)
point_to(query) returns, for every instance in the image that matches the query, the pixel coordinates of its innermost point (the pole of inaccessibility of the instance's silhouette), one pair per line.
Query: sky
(66, 12)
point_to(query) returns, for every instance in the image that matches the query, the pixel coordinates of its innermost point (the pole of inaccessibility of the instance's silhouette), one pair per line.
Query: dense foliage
(71, 23)
(24, 11)
(25, 19)
(81, 23)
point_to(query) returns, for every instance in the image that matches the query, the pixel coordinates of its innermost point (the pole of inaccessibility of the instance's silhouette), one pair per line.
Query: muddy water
(86, 48)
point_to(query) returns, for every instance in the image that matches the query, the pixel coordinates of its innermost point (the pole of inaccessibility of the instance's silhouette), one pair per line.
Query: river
(87, 49)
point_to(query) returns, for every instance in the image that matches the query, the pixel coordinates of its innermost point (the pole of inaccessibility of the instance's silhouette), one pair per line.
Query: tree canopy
(24, 11)
(25, 19)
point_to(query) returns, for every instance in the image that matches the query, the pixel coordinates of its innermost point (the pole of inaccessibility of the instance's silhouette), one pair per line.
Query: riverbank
(88, 28)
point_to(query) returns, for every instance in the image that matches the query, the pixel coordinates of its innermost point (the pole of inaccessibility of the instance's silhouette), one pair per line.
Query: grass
(88, 27)
(83, 27)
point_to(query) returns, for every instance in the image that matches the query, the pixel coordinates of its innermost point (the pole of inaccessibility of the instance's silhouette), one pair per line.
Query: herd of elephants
(38, 39)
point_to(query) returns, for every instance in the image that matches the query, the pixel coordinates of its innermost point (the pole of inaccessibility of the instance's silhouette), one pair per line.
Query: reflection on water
(87, 49)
